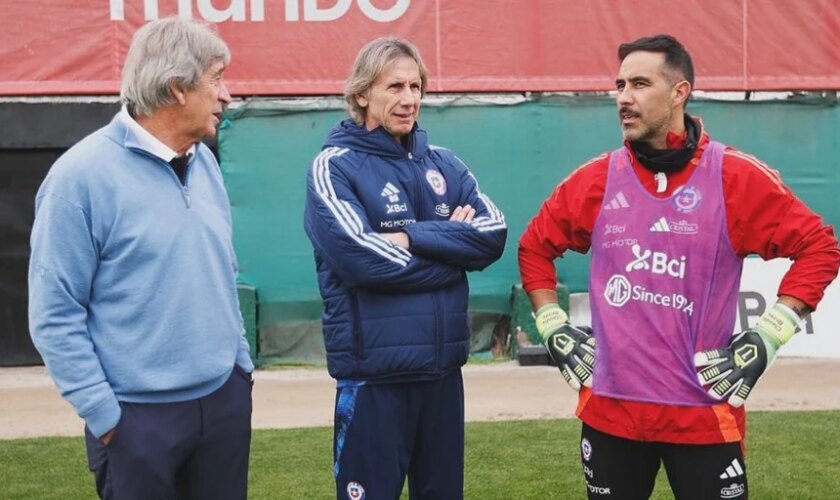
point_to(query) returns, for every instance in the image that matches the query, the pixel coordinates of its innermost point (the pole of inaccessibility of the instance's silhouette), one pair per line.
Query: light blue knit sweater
(132, 293)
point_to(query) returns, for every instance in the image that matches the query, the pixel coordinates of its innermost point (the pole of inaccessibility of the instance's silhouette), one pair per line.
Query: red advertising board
(299, 47)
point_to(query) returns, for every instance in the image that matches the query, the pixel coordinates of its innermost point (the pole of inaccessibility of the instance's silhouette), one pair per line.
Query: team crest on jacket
(687, 199)
(437, 182)
(355, 491)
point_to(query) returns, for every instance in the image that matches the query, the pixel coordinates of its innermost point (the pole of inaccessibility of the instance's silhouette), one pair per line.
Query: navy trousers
(385, 432)
(195, 449)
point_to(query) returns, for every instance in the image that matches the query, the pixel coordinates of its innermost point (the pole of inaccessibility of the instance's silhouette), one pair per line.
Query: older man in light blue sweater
(132, 293)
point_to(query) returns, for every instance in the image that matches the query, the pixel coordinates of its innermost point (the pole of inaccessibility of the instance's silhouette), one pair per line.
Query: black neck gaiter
(668, 160)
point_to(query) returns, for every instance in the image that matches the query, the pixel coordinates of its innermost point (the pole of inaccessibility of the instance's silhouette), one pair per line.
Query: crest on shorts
(586, 449)
(355, 491)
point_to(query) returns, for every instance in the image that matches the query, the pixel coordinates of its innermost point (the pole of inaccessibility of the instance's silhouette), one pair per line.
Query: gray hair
(166, 52)
(372, 59)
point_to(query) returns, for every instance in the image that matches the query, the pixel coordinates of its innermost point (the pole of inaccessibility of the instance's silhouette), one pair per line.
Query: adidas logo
(734, 470)
(660, 226)
(618, 201)
(391, 192)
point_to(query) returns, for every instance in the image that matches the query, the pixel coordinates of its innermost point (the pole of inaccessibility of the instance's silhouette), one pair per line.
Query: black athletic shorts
(618, 468)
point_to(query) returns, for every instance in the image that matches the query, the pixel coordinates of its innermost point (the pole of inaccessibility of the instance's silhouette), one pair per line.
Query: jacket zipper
(419, 210)
(419, 203)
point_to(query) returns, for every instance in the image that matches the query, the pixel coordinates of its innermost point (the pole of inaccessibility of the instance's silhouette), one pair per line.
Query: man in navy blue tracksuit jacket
(395, 224)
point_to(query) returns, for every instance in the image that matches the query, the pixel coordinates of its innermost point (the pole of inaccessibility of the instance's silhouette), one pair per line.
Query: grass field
(790, 455)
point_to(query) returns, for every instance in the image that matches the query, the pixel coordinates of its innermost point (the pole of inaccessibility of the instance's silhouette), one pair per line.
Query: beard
(644, 130)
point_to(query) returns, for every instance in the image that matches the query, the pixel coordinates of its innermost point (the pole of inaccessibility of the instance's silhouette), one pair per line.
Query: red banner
(299, 47)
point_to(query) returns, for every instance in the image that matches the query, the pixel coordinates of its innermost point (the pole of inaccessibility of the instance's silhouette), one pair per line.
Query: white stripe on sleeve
(346, 216)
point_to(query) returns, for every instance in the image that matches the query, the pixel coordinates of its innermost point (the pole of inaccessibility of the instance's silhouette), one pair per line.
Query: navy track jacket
(392, 314)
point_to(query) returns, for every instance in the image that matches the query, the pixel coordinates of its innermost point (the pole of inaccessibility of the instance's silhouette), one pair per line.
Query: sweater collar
(138, 137)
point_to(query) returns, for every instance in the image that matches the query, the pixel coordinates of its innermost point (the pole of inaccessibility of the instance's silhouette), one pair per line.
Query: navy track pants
(386, 432)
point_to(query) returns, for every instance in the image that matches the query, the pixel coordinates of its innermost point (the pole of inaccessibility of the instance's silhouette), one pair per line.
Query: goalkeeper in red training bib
(669, 218)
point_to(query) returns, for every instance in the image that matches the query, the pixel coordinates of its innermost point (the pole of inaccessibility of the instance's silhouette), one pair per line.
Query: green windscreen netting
(518, 151)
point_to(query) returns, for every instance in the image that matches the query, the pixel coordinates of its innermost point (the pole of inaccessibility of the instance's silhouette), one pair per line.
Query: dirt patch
(304, 397)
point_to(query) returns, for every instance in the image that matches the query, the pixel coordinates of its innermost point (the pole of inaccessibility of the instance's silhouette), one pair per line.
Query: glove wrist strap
(550, 318)
(777, 325)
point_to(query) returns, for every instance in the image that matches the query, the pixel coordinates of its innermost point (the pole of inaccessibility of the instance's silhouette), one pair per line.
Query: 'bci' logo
(656, 263)
(395, 208)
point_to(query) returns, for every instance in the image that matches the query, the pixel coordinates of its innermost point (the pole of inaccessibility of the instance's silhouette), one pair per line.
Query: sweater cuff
(104, 417)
